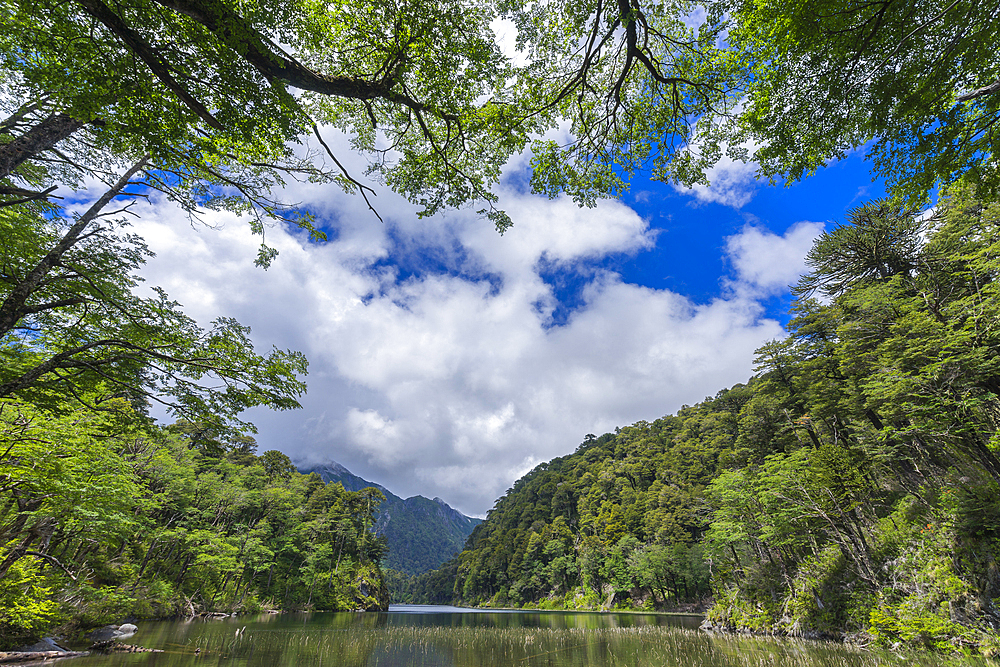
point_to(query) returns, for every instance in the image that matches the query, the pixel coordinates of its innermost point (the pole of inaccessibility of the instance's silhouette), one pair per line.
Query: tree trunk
(38, 139)
(184, 568)
(16, 554)
(145, 561)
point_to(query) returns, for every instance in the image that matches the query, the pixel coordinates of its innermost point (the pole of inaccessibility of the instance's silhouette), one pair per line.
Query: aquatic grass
(372, 640)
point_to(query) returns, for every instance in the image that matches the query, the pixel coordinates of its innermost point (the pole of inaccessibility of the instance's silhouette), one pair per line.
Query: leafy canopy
(917, 84)
(218, 90)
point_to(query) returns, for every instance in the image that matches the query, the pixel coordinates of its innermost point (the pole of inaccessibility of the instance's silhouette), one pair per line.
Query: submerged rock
(112, 646)
(32, 656)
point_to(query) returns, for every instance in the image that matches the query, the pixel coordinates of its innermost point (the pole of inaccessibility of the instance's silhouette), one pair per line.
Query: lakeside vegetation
(105, 515)
(105, 520)
(850, 489)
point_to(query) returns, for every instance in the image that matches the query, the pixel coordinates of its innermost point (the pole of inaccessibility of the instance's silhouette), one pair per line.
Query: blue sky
(446, 360)
(689, 256)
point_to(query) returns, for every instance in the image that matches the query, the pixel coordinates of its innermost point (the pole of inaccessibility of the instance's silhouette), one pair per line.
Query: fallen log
(7, 657)
(113, 646)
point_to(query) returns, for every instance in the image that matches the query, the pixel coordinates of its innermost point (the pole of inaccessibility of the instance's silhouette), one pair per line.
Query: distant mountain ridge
(421, 533)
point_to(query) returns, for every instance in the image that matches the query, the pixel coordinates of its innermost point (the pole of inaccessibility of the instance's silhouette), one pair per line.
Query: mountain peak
(421, 533)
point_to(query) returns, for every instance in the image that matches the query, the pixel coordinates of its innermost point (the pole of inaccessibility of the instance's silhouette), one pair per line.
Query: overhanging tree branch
(13, 306)
(239, 35)
(160, 68)
(981, 92)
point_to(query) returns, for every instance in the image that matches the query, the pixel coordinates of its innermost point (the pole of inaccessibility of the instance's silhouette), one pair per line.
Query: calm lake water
(423, 636)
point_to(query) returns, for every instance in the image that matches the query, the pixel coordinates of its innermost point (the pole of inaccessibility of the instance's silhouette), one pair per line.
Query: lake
(426, 636)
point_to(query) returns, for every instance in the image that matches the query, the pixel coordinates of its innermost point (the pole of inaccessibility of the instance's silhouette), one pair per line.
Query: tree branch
(981, 92)
(26, 195)
(13, 307)
(360, 186)
(134, 40)
(239, 35)
(53, 560)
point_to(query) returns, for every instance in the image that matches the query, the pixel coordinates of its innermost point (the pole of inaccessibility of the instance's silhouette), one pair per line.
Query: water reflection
(418, 636)
(458, 617)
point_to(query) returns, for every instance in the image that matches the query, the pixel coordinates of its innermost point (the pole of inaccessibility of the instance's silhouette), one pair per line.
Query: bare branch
(360, 186)
(53, 560)
(27, 195)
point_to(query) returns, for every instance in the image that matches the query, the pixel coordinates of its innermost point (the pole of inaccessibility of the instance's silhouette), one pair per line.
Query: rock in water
(126, 630)
(109, 632)
(47, 644)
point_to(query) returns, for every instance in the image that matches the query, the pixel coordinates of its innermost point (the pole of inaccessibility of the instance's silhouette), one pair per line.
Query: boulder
(109, 632)
(47, 644)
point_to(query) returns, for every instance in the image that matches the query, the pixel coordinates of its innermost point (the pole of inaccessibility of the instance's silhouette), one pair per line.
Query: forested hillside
(420, 533)
(104, 521)
(618, 522)
(850, 488)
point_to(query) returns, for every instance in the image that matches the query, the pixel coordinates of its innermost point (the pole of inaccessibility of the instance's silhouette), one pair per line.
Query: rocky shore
(106, 639)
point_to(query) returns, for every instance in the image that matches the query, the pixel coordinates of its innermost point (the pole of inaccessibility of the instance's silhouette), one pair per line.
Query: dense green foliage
(871, 505)
(850, 488)
(917, 85)
(102, 521)
(421, 533)
(216, 91)
(619, 521)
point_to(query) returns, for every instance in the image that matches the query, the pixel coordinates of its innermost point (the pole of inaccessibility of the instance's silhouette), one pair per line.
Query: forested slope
(103, 523)
(849, 489)
(420, 533)
(619, 521)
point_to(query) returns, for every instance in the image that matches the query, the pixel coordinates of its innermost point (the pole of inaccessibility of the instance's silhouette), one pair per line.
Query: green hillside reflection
(449, 637)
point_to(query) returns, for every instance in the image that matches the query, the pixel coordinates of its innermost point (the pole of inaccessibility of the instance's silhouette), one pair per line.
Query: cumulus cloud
(768, 263)
(730, 183)
(452, 382)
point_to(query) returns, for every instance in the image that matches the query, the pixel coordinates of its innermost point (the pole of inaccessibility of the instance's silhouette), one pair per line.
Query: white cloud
(453, 383)
(730, 183)
(768, 263)
(505, 32)
(696, 18)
